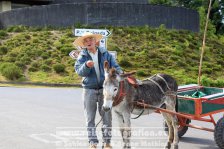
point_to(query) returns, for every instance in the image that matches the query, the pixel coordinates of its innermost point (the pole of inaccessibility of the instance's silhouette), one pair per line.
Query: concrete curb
(41, 84)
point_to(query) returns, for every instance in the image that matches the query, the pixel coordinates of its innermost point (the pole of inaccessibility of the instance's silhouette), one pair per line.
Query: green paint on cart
(210, 93)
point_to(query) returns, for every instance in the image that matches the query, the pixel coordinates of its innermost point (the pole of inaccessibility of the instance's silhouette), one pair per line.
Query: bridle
(120, 94)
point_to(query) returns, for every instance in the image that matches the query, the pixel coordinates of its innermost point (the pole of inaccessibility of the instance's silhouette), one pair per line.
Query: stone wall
(101, 1)
(116, 14)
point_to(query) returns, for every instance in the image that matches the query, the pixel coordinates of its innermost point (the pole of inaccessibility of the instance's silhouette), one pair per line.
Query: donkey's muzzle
(106, 109)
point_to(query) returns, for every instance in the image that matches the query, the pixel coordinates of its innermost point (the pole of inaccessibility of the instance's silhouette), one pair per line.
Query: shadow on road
(207, 144)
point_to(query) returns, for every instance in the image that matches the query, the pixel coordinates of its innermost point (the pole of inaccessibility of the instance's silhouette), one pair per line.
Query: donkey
(157, 91)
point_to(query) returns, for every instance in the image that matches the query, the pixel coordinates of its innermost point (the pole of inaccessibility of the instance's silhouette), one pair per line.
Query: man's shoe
(107, 146)
(92, 146)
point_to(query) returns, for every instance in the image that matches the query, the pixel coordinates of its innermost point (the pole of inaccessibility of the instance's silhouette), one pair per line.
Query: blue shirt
(89, 77)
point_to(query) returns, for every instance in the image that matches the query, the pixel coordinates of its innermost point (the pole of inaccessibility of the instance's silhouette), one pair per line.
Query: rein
(134, 103)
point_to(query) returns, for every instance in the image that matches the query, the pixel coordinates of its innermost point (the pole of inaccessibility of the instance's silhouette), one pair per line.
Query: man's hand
(90, 64)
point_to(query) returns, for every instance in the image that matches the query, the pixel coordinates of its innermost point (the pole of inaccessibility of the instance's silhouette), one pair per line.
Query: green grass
(45, 77)
(143, 49)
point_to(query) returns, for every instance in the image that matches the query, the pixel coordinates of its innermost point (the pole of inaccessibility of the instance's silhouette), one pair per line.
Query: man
(90, 65)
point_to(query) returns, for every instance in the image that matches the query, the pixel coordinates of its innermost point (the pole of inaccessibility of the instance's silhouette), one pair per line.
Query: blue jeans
(91, 97)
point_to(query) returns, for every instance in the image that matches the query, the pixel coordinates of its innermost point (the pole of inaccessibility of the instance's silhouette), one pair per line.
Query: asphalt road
(53, 118)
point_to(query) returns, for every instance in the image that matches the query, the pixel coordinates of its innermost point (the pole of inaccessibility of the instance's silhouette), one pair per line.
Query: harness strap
(164, 81)
(150, 79)
(157, 85)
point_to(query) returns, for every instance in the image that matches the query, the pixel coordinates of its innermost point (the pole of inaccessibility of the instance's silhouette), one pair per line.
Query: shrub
(115, 48)
(181, 63)
(190, 81)
(16, 28)
(33, 69)
(206, 81)
(45, 68)
(28, 37)
(3, 34)
(10, 71)
(20, 64)
(3, 50)
(69, 34)
(174, 57)
(207, 70)
(25, 59)
(35, 64)
(48, 61)
(220, 83)
(13, 54)
(35, 40)
(65, 50)
(125, 63)
(4, 65)
(45, 55)
(9, 59)
(55, 55)
(131, 54)
(140, 73)
(71, 62)
(59, 68)
(38, 52)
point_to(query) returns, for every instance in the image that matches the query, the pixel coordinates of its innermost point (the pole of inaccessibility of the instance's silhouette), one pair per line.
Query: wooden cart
(198, 103)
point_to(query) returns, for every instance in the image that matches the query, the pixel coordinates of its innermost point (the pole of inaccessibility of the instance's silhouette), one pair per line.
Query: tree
(216, 15)
(162, 2)
(217, 11)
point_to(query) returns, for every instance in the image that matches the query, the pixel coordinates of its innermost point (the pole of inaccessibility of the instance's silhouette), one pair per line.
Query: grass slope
(143, 49)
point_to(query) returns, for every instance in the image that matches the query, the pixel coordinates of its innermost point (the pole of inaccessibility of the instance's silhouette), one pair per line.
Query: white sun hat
(79, 41)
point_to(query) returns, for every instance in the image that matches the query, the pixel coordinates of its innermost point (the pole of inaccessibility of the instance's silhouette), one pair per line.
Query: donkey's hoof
(168, 145)
(175, 147)
(126, 147)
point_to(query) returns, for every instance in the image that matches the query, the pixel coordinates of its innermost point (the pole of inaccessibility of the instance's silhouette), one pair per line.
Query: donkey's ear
(106, 66)
(127, 74)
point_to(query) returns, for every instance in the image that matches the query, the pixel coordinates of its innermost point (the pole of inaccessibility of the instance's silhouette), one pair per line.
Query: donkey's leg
(127, 130)
(175, 128)
(171, 131)
(170, 105)
(120, 123)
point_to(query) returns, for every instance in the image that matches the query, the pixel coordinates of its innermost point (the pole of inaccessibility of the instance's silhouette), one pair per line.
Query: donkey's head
(111, 85)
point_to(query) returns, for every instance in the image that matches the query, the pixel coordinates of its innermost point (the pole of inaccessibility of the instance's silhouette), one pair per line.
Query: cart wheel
(181, 129)
(219, 133)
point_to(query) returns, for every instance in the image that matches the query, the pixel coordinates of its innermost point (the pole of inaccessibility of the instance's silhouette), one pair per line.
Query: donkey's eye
(115, 89)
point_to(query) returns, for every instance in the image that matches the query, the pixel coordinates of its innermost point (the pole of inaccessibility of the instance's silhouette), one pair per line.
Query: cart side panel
(186, 106)
(210, 103)
(208, 107)
(213, 105)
